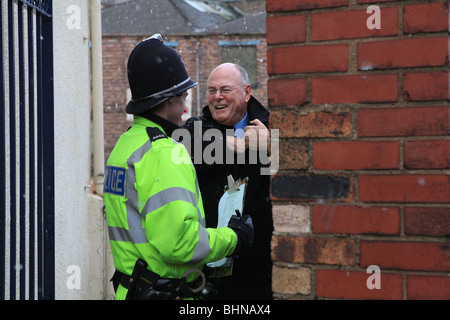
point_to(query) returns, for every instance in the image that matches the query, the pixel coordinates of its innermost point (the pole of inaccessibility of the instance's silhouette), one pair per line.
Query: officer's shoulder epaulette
(155, 134)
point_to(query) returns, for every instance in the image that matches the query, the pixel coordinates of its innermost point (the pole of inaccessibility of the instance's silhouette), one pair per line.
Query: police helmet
(156, 73)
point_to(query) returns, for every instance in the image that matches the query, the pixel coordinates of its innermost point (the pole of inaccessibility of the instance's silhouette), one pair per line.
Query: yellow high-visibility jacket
(154, 207)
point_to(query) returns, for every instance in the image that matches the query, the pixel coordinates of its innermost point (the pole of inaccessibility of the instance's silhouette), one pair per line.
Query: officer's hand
(243, 226)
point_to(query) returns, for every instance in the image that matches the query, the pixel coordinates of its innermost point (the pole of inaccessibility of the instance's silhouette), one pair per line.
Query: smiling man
(228, 94)
(153, 205)
(232, 109)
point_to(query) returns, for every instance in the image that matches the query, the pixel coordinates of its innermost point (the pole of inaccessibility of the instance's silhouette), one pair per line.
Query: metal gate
(26, 151)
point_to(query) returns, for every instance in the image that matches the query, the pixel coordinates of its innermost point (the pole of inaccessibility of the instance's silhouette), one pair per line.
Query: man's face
(227, 95)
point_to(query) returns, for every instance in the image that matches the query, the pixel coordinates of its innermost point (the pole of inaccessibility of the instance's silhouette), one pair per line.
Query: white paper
(228, 204)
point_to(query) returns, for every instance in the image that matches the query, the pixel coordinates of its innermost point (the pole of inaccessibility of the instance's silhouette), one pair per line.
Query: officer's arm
(175, 226)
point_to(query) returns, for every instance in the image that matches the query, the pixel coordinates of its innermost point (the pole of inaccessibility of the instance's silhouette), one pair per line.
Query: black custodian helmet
(156, 73)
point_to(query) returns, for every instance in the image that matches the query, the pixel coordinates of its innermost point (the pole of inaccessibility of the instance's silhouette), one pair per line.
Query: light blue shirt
(239, 127)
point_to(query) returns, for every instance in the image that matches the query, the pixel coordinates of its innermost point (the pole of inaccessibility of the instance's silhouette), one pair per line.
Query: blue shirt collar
(239, 127)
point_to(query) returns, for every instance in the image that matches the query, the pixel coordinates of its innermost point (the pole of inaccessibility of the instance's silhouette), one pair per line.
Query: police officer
(153, 204)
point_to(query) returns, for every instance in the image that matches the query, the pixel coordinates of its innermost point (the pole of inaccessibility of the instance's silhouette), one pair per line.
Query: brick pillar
(364, 122)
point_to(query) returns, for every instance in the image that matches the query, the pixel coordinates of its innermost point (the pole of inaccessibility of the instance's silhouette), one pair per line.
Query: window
(242, 53)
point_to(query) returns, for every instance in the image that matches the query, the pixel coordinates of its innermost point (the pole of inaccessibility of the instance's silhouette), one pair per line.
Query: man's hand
(236, 145)
(257, 136)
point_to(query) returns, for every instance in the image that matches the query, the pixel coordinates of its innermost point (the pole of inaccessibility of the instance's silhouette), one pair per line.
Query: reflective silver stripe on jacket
(135, 232)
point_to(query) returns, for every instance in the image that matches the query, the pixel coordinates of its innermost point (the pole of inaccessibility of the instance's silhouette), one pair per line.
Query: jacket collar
(167, 126)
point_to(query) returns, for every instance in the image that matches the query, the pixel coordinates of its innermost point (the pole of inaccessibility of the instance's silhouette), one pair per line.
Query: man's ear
(248, 92)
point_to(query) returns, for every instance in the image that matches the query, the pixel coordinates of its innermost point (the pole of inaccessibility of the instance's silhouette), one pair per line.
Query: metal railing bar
(22, 155)
(2, 165)
(32, 163)
(12, 144)
(48, 160)
(39, 213)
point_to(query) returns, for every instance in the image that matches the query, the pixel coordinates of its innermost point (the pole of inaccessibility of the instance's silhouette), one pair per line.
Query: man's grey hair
(244, 74)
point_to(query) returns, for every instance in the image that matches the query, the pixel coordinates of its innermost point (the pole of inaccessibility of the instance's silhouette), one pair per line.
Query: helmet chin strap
(167, 93)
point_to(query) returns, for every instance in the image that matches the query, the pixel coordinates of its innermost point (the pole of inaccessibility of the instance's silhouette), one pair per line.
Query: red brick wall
(364, 148)
(200, 54)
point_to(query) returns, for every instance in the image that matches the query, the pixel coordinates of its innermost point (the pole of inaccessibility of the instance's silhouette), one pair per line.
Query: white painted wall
(81, 261)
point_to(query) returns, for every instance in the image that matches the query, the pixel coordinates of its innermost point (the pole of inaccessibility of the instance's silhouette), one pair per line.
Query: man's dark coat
(252, 274)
